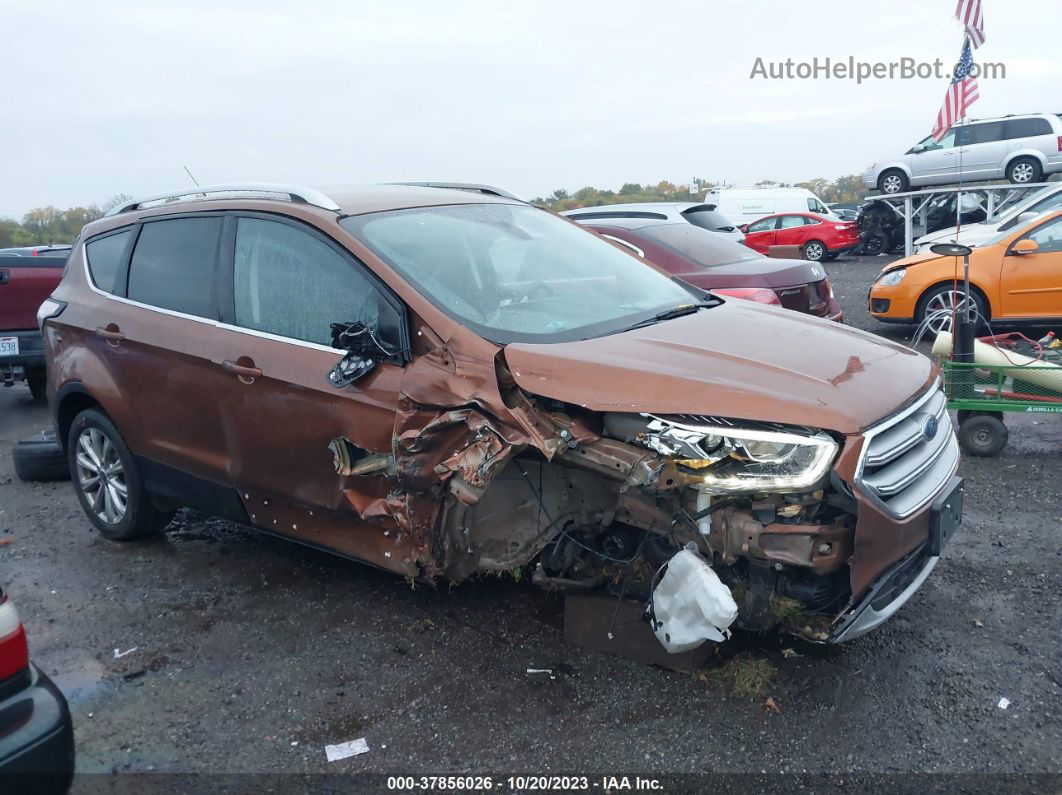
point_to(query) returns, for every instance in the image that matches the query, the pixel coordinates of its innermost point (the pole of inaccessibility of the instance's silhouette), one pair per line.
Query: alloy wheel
(814, 251)
(1023, 172)
(942, 305)
(101, 476)
(891, 184)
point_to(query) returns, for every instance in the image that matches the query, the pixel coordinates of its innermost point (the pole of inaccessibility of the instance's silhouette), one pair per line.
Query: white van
(744, 205)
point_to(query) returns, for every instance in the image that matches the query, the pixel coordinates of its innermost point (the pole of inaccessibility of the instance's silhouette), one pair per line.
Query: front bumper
(36, 739)
(887, 595)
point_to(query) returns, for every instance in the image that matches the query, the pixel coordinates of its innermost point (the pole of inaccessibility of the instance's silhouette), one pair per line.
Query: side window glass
(289, 283)
(1049, 237)
(172, 266)
(789, 221)
(104, 257)
(1026, 128)
(762, 226)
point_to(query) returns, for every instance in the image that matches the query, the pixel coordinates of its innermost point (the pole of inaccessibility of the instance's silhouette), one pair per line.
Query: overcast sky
(108, 97)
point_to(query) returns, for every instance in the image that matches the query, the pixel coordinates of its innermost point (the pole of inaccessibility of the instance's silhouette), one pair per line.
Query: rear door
(792, 230)
(156, 338)
(761, 234)
(287, 284)
(983, 150)
(1031, 284)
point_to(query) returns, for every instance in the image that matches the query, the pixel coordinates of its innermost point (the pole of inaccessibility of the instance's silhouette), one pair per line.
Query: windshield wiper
(673, 312)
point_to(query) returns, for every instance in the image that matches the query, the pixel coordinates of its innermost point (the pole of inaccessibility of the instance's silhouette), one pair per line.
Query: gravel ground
(251, 654)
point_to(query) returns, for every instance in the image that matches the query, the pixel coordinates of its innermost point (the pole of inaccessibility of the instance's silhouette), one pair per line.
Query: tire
(874, 245)
(983, 435)
(939, 297)
(1025, 170)
(815, 250)
(893, 181)
(41, 460)
(38, 387)
(94, 441)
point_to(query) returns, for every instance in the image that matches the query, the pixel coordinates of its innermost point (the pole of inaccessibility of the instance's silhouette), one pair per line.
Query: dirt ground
(241, 653)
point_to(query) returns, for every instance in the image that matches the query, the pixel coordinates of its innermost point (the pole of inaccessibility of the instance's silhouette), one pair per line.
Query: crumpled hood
(740, 360)
(906, 262)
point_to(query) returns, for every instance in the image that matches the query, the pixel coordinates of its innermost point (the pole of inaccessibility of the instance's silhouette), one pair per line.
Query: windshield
(699, 245)
(514, 273)
(1037, 204)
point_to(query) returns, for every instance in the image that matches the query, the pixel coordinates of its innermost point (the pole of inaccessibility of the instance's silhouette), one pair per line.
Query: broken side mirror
(367, 343)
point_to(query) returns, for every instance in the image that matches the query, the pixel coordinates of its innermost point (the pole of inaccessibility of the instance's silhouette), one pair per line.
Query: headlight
(892, 278)
(736, 460)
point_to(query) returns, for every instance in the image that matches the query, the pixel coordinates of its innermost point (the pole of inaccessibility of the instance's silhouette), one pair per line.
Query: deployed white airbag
(690, 604)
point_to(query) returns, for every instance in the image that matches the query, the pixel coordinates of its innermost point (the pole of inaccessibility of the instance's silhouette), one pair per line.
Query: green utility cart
(982, 394)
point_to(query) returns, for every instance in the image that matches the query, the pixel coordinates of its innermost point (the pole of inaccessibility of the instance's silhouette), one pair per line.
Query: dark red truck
(25, 281)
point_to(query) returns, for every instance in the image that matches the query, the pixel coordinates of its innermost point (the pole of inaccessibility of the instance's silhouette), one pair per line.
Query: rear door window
(104, 255)
(789, 221)
(290, 283)
(173, 265)
(1026, 128)
(984, 133)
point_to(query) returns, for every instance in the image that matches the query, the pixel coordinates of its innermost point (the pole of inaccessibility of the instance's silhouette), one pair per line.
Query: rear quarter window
(104, 255)
(173, 265)
(1026, 128)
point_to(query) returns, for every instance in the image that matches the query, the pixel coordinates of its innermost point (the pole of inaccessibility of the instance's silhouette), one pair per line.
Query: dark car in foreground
(711, 262)
(445, 383)
(36, 733)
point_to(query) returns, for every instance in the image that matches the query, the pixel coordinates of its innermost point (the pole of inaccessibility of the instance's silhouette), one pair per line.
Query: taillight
(14, 654)
(49, 308)
(1060, 143)
(761, 295)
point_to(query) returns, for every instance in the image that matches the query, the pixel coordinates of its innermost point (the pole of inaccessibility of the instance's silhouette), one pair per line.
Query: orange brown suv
(443, 382)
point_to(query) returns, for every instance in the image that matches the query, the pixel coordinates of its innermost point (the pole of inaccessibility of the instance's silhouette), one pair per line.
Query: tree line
(47, 225)
(43, 226)
(843, 189)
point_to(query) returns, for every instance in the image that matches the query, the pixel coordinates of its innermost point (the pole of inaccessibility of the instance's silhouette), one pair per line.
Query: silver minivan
(1022, 149)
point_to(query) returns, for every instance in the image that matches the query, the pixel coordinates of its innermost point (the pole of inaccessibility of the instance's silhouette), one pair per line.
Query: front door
(761, 234)
(289, 284)
(1031, 284)
(935, 160)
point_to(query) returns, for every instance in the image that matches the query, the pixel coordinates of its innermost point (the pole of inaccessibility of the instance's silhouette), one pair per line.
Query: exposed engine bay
(586, 501)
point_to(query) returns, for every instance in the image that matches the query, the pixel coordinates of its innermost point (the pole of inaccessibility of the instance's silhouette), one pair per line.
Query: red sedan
(819, 238)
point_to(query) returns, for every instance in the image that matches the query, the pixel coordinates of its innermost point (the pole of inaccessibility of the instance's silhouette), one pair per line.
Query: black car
(36, 733)
(881, 227)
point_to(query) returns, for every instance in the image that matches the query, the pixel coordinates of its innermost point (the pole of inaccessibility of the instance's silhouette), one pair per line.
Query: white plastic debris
(119, 654)
(353, 748)
(542, 671)
(1004, 702)
(691, 604)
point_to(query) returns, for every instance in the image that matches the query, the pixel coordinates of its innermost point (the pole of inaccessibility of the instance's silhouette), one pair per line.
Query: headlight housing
(725, 460)
(892, 278)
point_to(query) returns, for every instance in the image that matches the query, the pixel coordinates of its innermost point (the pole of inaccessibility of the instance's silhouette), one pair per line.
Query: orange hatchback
(1014, 277)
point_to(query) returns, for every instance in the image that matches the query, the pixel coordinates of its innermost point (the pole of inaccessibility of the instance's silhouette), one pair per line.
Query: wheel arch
(1029, 153)
(71, 399)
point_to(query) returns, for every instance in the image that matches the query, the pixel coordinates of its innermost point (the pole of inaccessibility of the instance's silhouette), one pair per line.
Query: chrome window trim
(207, 321)
(624, 243)
(884, 425)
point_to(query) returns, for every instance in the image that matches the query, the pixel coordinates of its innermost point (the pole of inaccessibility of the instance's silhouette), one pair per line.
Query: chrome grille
(902, 467)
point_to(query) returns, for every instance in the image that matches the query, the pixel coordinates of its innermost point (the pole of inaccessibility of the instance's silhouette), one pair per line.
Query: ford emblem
(929, 427)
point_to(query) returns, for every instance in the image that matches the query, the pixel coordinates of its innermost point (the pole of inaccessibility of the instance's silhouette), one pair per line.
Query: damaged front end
(747, 517)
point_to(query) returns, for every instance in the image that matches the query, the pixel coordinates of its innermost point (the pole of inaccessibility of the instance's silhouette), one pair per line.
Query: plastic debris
(343, 750)
(120, 654)
(542, 671)
(690, 604)
(1004, 702)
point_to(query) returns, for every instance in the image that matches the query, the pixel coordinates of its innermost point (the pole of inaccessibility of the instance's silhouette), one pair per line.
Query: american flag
(962, 93)
(968, 12)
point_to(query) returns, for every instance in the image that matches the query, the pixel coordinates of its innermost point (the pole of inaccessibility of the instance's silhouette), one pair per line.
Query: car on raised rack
(724, 267)
(448, 382)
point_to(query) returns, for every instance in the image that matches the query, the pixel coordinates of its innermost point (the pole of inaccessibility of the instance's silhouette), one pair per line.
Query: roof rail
(294, 194)
(472, 187)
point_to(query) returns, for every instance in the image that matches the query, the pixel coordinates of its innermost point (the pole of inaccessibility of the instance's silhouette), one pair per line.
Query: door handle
(111, 334)
(246, 373)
